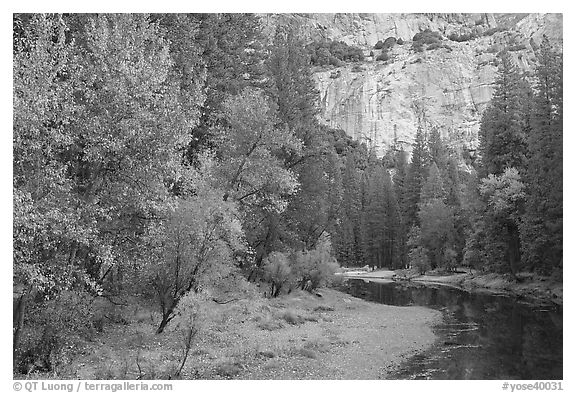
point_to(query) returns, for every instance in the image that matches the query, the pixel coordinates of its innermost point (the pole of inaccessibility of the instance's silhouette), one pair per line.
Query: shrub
(383, 56)
(307, 353)
(277, 272)
(419, 259)
(316, 267)
(333, 52)
(335, 62)
(389, 43)
(427, 37)
(417, 46)
(229, 369)
(379, 45)
(292, 318)
(436, 45)
(53, 331)
(461, 37)
(516, 47)
(493, 31)
(400, 41)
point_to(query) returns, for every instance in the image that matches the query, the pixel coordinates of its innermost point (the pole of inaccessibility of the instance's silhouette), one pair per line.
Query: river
(482, 336)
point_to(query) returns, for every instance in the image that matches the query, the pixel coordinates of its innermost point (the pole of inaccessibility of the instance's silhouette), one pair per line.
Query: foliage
(541, 228)
(333, 52)
(54, 332)
(462, 37)
(415, 177)
(437, 229)
(493, 30)
(253, 172)
(505, 123)
(277, 271)
(426, 37)
(418, 258)
(315, 268)
(383, 56)
(194, 247)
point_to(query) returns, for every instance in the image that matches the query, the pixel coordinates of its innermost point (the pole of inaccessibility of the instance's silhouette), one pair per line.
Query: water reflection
(482, 337)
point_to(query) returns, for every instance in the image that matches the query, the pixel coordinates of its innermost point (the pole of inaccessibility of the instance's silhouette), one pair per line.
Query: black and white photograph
(286, 196)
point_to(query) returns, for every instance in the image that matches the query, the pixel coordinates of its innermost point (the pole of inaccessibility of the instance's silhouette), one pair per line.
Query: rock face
(448, 87)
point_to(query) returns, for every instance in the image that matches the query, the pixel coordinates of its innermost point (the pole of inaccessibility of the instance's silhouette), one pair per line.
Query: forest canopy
(164, 156)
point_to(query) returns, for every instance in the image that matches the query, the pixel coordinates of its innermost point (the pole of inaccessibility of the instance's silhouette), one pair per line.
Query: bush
(400, 41)
(427, 37)
(315, 268)
(333, 52)
(390, 42)
(379, 45)
(493, 31)
(516, 47)
(436, 45)
(229, 369)
(292, 318)
(462, 37)
(277, 272)
(383, 56)
(419, 259)
(417, 46)
(53, 330)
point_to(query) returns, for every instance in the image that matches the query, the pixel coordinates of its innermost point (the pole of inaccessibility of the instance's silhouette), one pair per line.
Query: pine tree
(541, 229)
(415, 178)
(434, 187)
(293, 89)
(399, 181)
(504, 126)
(349, 226)
(393, 234)
(438, 150)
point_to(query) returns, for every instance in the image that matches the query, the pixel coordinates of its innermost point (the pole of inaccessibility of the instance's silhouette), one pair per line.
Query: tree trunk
(513, 249)
(19, 311)
(166, 317)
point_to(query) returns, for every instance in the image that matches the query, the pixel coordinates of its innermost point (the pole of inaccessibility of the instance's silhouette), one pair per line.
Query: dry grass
(297, 336)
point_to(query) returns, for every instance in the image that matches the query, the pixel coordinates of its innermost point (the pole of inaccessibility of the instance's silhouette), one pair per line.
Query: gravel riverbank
(296, 336)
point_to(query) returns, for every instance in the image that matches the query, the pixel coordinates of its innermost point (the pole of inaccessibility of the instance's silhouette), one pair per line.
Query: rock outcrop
(448, 87)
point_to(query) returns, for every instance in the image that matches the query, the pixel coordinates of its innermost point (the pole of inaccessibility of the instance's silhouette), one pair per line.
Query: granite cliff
(448, 87)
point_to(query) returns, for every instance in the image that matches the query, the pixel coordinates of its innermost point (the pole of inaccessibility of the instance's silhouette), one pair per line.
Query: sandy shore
(297, 336)
(531, 286)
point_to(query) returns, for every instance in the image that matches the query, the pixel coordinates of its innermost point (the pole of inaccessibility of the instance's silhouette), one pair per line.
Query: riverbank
(529, 286)
(532, 287)
(297, 336)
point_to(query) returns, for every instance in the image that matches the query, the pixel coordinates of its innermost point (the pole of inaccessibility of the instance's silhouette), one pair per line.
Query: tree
(433, 188)
(294, 89)
(252, 171)
(231, 47)
(438, 150)
(195, 246)
(415, 177)
(381, 219)
(541, 228)
(277, 271)
(348, 238)
(46, 221)
(316, 267)
(503, 195)
(505, 123)
(437, 229)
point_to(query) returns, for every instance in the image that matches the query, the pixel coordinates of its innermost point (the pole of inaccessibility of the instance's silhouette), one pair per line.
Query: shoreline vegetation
(326, 335)
(528, 286)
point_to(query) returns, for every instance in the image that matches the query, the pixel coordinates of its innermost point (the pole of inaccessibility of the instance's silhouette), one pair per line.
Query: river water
(482, 336)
